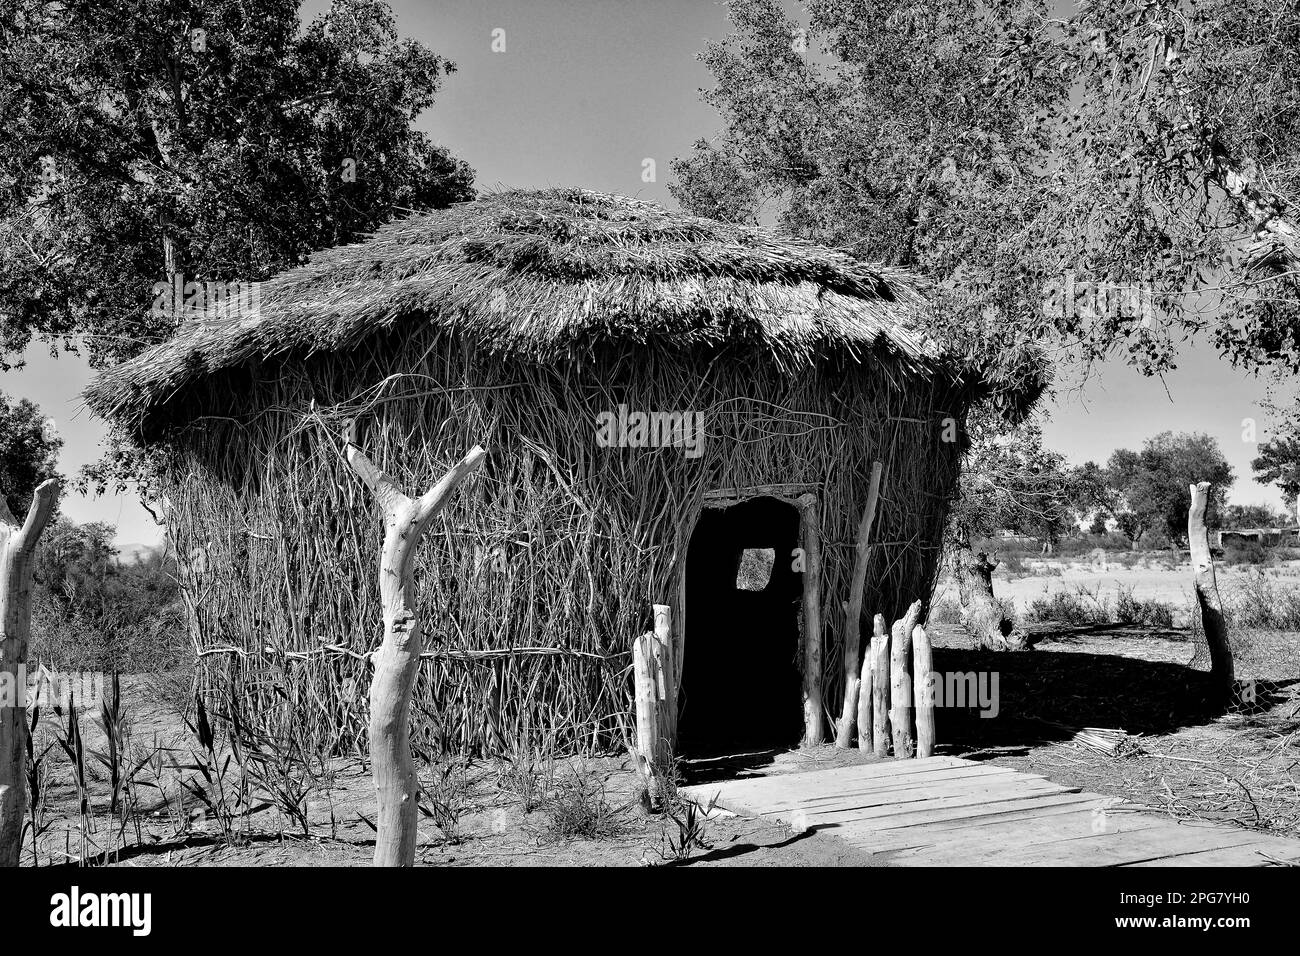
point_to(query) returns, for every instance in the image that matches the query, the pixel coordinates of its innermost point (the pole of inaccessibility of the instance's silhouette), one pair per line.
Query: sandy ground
(1179, 756)
(1150, 579)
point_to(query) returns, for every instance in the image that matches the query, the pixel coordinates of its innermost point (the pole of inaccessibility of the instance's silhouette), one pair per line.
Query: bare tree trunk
(900, 686)
(880, 690)
(397, 661)
(17, 549)
(1207, 592)
(980, 615)
(853, 612)
(923, 691)
(866, 690)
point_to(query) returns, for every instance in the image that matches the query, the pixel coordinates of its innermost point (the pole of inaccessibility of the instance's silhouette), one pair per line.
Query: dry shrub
(580, 808)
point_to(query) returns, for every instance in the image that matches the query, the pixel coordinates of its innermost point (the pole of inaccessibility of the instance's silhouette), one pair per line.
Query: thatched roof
(542, 275)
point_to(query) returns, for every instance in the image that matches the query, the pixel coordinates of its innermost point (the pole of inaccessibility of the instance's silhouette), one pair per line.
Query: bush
(579, 806)
(1079, 606)
(944, 612)
(1261, 602)
(1237, 552)
(1131, 610)
(92, 612)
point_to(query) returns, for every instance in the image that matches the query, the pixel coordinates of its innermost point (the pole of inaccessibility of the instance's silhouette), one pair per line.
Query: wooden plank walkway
(945, 811)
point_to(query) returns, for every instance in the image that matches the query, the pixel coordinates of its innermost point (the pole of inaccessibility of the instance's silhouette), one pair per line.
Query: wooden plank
(945, 847)
(1161, 839)
(943, 811)
(1247, 854)
(986, 787)
(1003, 789)
(953, 814)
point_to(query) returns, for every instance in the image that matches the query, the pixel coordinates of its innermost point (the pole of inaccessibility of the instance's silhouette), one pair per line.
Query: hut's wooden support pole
(17, 550)
(923, 686)
(853, 612)
(398, 658)
(812, 621)
(900, 688)
(880, 690)
(653, 681)
(866, 691)
(1207, 593)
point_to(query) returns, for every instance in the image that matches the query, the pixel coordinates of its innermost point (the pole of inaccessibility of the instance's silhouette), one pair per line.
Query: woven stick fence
(543, 571)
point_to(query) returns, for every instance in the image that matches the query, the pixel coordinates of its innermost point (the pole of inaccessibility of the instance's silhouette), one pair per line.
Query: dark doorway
(742, 683)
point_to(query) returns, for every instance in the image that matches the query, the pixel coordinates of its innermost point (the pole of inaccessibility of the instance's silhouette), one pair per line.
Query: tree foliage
(1278, 463)
(94, 610)
(216, 140)
(1013, 482)
(1154, 483)
(29, 452)
(1113, 180)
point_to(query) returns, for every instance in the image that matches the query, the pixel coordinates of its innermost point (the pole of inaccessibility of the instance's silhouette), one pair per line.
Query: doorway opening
(742, 679)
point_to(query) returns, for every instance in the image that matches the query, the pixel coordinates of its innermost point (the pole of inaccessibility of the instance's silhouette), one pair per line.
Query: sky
(584, 93)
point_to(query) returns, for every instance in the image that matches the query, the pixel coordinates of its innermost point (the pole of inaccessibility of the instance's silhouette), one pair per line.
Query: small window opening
(755, 569)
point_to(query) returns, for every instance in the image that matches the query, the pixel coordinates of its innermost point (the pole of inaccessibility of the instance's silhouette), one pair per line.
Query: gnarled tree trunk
(1207, 593)
(980, 615)
(17, 549)
(397, 661)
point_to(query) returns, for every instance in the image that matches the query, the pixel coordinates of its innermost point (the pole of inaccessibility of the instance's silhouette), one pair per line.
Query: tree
(1155, 482)
(1182, 149)
(1248, 516)
(149, 143)
(1009, 150)
(29, 451)
(1011, 481)
(927, 161)
(1278, 463)
(17, 548)
(397, 662)
(1090, 495)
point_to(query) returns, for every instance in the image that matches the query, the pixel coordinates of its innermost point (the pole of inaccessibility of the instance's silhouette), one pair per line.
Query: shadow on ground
(1023, 699)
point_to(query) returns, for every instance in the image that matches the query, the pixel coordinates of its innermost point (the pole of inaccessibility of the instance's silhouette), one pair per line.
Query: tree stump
(880, 691)
(980, 615)
(652, 670)
(900, 687)
(1207, 594)
(923, 685)
(397, 662)
(866, 693)
(17, 551)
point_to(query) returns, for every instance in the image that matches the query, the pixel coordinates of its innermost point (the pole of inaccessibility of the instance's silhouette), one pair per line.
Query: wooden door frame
(806, 499)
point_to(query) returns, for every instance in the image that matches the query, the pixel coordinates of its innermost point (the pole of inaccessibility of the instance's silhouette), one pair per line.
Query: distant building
(1267, 537)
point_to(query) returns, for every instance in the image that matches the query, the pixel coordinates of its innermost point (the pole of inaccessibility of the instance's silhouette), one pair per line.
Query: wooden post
(17, 551)
(1207, 593)
(866, 693)
(923, 687)
(880, 690)
(853, 612)
(812, 622)
(397, 662)
(652, 670)
(900, 688)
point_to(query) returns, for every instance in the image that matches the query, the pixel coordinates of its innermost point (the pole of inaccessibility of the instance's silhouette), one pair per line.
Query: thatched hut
(667, 402)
